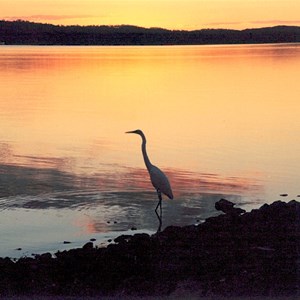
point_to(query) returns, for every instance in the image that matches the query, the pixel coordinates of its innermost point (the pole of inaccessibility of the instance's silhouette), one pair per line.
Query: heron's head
(138, 131)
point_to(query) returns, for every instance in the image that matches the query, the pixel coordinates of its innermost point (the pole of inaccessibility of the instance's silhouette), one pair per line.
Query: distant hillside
(29, 33)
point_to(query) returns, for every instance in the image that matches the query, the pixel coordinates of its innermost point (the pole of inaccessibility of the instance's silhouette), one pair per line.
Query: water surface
(221, 121)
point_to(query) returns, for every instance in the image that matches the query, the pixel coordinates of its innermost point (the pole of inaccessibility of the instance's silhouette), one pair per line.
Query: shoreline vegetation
(29, 33)
(235, 254)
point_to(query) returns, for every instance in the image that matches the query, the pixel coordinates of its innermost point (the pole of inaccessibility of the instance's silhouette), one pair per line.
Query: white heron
(158, 178)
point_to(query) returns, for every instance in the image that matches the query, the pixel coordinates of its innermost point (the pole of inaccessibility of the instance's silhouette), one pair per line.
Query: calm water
(221, 121)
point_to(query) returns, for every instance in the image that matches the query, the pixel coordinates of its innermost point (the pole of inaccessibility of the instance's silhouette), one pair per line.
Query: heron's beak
(130, 131)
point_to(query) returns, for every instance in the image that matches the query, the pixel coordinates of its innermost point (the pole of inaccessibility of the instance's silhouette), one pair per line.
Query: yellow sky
(170, 14)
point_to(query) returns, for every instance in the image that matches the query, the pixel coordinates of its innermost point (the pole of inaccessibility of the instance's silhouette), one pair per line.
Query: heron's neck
(146, 158)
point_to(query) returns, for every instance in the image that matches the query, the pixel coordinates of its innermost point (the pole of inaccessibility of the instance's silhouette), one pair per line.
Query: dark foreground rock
(253, 254)
(227, 207)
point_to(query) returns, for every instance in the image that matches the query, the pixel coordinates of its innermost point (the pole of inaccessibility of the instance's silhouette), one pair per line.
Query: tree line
(30, 33)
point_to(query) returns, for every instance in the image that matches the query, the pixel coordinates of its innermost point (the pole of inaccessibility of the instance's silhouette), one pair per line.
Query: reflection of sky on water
(43, 203)
(214, 126)
(52, 188)
(63, 185)
(42, 207)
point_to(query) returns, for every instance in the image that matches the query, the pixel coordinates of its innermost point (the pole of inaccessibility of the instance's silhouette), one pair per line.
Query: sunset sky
(170, 14)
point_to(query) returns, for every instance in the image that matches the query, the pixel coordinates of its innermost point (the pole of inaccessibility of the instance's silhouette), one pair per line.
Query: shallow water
(221, 121)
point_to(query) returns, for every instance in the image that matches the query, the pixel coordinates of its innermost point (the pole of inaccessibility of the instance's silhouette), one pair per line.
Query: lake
(221, 122)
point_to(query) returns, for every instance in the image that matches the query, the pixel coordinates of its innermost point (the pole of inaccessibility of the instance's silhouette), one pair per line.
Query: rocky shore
(234, 254)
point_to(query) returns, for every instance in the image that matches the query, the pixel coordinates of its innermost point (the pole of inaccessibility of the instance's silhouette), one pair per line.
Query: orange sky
(171, 14)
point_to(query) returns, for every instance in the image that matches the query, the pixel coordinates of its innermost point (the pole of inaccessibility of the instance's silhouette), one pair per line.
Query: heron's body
(160, 181)
(158, 178)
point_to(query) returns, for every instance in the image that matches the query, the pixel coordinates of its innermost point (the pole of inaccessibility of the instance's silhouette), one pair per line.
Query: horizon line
(152, 27)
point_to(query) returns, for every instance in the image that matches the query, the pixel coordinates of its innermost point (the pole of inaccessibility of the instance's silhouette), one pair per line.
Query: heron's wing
(160, 181)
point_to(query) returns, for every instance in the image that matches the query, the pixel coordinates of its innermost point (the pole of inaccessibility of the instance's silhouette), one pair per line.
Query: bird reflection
(158, 178)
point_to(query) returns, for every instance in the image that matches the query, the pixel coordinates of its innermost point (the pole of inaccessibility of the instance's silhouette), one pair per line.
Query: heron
(158, 178)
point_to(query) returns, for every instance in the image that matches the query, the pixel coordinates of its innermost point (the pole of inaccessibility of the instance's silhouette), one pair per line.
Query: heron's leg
(159, 225)
(159, 202)
(159, 216)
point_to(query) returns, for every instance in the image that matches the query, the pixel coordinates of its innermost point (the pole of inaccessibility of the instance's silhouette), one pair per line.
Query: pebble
(67, 242)
(283, 195)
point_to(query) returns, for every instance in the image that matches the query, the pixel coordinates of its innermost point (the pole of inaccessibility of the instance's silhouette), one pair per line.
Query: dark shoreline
(231, 255)
(30, 33)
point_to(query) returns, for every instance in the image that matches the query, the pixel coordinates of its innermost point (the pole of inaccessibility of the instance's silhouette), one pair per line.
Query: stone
(228, 207)
(88, 246)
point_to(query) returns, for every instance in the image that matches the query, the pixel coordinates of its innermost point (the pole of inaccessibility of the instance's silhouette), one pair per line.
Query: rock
(228, 207)
(252, 255)
(67, 242)
(264, 249)
(133, 228)
(6, 263)
(88, 246)
(123, 238)
(293, 203)
(264, 207)
(45, 256)
(224, 205)
(93, 240)
(139, 237)
(283, 195)
(238, 211)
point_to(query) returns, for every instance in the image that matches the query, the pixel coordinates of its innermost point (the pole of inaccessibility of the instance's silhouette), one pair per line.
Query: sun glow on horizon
(186, 15)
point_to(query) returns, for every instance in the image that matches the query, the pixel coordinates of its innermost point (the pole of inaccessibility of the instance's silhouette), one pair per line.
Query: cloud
(47, 17)
(256, 22)
(276, 22)
(223, 23)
